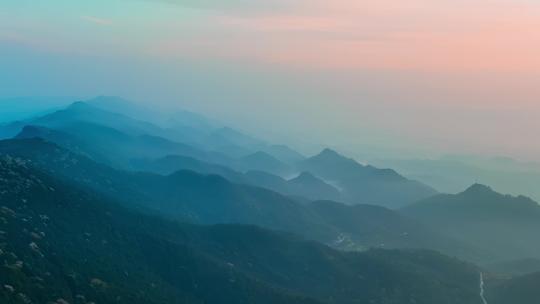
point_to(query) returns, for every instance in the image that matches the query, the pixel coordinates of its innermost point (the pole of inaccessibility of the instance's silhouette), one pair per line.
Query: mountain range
(117, 255)
(107, 201)
(364, 183)
(120, 141)
(211, 199)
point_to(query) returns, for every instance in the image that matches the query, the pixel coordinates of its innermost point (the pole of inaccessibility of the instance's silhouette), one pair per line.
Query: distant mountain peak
(313, 187)
(306, 176)
(32, 131)
(102, 104)
(79, 104)
(363, 183)
(479, 189)
(82, 107)
(327, 152)
(330, 156)
(29, 131)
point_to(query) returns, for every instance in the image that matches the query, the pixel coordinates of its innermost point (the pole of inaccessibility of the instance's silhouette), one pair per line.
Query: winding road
(482, 289)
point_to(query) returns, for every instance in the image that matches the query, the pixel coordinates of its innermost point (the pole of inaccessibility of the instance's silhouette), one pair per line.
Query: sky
(376, 77)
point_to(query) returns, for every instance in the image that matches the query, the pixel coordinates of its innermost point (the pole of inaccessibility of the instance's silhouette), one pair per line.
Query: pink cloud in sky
(444, 36)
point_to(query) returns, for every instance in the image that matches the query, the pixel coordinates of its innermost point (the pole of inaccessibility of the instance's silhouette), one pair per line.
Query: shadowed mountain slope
(109, 145)
(211, 199)
(120, 256)
(505, 225)
(519, 290)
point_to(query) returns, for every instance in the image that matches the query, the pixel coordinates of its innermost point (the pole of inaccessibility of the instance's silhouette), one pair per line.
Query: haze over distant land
(446, 173)
(17, 108)
(269, 152)
(384, 78)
